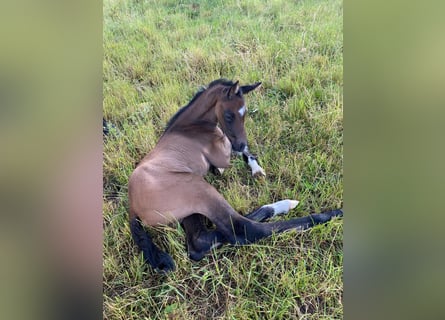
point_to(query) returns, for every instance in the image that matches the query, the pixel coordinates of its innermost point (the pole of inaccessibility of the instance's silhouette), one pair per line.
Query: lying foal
(168, 184)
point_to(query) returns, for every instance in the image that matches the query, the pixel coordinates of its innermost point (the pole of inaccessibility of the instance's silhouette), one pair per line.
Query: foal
(168, 184)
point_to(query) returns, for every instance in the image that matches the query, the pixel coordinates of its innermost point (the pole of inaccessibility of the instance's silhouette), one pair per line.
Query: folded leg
(200, 239)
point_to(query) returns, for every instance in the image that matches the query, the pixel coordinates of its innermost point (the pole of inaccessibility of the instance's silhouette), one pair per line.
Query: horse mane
(175, 117)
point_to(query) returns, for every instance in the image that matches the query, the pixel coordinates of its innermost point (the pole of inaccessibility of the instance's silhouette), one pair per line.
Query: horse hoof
(165, 263)
(259, 172)
(293, 203)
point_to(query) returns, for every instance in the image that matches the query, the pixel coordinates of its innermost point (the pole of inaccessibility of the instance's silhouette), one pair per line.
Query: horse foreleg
(252, 161)
(216, 171)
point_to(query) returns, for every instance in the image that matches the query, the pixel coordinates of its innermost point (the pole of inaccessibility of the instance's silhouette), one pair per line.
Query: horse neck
(203, 109)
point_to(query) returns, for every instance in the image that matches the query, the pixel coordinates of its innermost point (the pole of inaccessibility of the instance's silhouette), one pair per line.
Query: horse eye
(229, 116)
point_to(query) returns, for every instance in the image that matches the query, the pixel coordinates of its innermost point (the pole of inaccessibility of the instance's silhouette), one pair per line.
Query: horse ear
(233, 89)
(248, 88)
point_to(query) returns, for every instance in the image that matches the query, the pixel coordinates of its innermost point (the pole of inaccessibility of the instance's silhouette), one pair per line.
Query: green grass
(156, 56)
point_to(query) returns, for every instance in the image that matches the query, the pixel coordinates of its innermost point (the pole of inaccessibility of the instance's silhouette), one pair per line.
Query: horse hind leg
(158, 259)
(306, 222)
(200, 240)
(242, 230)
(271, 210)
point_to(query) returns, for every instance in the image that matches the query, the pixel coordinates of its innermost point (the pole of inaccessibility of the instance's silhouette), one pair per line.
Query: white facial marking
(242, 111)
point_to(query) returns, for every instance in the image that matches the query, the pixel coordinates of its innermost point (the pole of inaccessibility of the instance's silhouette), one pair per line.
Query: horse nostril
(242, 146)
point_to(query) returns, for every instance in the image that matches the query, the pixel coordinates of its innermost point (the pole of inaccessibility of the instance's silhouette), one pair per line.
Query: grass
(156, 56)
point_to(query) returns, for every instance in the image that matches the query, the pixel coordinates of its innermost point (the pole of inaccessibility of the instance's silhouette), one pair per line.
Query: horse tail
(158, 259)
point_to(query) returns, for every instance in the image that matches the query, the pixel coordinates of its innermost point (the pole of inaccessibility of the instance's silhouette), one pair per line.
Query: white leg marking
(256, 169)
(283, 206)
(220, 170)
(253, 164)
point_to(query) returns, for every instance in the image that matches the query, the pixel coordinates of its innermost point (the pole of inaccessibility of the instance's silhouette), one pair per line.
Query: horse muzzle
(238, 146)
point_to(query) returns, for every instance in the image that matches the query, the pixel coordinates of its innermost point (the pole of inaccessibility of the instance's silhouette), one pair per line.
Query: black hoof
(164, 263)
(337, 213)
(196, 256)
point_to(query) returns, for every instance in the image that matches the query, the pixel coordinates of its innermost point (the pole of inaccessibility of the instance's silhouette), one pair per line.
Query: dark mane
(180, 111)
(175, 117)
(223, 81)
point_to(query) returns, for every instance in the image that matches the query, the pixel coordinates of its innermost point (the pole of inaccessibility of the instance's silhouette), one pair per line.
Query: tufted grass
(156, 56)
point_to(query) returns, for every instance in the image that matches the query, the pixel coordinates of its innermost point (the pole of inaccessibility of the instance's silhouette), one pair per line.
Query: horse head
(230, 112)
